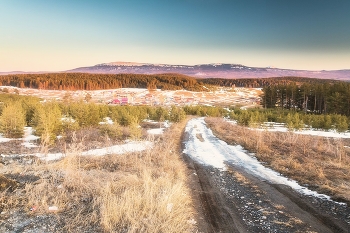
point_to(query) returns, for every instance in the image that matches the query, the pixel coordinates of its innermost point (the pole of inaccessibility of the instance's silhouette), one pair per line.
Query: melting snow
(207, 149)
(67, 119)
(280, 127)
(2, 139)
(106, 120)
(120, 149)
(156, 131)
(159, 130)
(131, 146)
(28, 137)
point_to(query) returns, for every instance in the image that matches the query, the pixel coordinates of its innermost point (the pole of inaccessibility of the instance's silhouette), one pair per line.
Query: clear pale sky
(48, 35)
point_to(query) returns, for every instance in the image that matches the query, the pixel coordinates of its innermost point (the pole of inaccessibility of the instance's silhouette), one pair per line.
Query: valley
(217, 70)
(221, 96)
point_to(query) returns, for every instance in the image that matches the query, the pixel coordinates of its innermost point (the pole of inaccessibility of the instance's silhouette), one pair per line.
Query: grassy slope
(137, 192)
(322, 163)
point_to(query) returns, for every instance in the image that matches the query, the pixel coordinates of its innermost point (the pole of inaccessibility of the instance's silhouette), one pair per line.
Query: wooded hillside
(263, 82)
(83, 81)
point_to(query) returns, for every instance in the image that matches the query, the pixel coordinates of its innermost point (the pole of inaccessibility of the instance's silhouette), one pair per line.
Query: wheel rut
(248, 204)
(235, 193)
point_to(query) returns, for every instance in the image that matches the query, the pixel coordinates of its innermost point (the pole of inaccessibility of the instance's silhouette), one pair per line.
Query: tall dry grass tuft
(323, 163)
(135, 192)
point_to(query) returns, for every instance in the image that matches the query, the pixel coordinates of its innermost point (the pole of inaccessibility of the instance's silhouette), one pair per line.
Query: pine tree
(177, 114)
(47, 121)
(340, 123)
(12, 120)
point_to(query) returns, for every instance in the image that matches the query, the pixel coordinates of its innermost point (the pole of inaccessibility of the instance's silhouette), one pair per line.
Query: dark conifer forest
(84, 81)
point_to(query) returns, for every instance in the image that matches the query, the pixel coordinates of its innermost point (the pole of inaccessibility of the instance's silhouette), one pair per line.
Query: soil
(236, 201)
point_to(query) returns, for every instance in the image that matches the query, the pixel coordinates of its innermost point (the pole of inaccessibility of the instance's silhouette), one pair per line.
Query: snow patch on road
(206, 151)
(209, 150)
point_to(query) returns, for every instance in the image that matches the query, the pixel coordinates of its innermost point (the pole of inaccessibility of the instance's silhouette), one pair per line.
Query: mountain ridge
(212, 70)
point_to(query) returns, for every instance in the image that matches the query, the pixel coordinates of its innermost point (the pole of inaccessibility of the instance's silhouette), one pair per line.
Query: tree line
(320, 98)
(262, 82)
(52, 118)
(292, 119)
(85, 81)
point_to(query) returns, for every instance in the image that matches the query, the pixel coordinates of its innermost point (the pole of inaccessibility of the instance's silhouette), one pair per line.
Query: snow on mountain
(122, 64)
(213, 70)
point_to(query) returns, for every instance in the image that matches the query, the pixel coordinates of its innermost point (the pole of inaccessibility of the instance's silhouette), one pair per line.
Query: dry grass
(322, 163)
(6, 183)
(135, 192)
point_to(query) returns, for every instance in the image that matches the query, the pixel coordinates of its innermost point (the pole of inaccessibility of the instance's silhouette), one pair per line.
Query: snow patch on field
(2, 139)
(27, 138)
(29, 135)
(129, 147)
(280, 127)
(207, 149)
(160, 130)
(331, 134)
(156, 131)
(107, 121)
(133, 146)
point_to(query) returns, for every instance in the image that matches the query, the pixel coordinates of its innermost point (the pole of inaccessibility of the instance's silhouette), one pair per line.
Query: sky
(48, 35)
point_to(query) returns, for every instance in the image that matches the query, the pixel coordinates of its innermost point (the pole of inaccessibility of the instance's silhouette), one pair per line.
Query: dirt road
(236, 195)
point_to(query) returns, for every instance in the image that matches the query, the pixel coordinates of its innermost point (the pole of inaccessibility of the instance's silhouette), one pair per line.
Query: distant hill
(23, 72)
(215, 70)
(88, 81)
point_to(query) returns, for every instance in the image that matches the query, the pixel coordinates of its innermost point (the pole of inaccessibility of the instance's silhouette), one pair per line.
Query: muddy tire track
(231, 205)
(234, 200)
